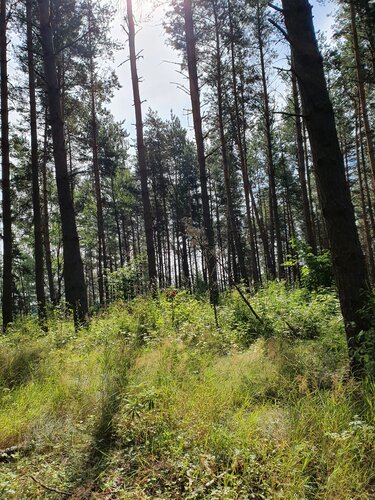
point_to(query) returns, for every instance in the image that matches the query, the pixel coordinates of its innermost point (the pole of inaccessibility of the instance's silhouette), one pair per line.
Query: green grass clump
(154, 400)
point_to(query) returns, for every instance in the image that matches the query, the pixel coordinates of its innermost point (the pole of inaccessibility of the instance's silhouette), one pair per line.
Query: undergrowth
(153, 400)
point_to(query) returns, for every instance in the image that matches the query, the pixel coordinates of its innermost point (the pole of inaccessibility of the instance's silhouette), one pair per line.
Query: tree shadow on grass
(17, 368)
(115, 381)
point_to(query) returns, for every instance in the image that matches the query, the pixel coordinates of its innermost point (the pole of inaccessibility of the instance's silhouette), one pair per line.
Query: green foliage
(296, 314)
(154, 401)
(315, 269)
(124, 282)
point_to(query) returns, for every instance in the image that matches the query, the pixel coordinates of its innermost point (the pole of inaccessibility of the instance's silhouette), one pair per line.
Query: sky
(158, 69)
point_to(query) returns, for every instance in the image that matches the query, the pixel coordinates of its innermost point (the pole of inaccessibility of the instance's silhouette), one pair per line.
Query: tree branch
(275, 7)
(277, 26)
(48, 488)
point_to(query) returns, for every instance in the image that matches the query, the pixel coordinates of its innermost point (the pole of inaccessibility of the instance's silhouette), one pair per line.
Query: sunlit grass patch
(143, 404)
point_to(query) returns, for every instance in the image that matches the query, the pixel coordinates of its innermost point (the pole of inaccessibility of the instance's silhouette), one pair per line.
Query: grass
(154, 401)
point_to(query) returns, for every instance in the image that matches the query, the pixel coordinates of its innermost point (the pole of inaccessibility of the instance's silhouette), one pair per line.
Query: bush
(316, 270)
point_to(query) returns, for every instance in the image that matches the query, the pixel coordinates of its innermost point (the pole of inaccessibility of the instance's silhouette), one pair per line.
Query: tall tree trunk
(74, 280)
(45, 219)
(362, 92)
(232, 222)
(239, 143)
(7, 305)
(309, 180)
(274, 212)
(366, 180)
(348, 259)
(38, 234)
(102, 254)
(310, 236)
(117, 221)
(197, 118)
(367, 229)
(147, 214)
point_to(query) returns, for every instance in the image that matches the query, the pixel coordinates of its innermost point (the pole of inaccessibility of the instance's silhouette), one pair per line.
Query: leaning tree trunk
(74, 281)
(5, 167)
(37, 213)
(197, 119)
(348, 259)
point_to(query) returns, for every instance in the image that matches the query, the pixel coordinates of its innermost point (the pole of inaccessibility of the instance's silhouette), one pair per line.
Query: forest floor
(155, 401)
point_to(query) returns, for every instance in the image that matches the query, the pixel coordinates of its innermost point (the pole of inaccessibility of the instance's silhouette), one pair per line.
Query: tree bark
(337, 209)
(367, 228)
(255, 272)
(102, 254)
(45, 218)
(197, 118)
(7, 305)
(147, 213)
(38, 233)
(232, 222)
(309, 232)
(74, 281)
(274, 212)
(362, 92)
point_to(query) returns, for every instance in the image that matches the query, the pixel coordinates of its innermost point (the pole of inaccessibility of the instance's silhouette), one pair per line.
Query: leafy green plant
(316, 270)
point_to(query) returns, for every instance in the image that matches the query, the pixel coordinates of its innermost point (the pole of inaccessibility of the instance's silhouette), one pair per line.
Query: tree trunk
(118, 225)
(232, 222)
(362, 92)
(45, 218)
(74, 281)
(197, 118)
(274, 212)
(239, 143)
(102, 254)
(367, 228)
(38, 234)
(5, 167)
(366, 179)
(348, 259)
(147, 214)
(310, 237)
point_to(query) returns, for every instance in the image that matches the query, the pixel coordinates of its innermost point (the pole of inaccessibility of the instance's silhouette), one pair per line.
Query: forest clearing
(187, 249)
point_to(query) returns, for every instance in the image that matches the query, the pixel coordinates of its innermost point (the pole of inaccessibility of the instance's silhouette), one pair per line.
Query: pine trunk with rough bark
(232, 222)
(255, 272)
(7, 306)
(37, 214)
(309, 231)
(273, 205)
(142, 166)
(45, 215)
(74, 280)
(337, 209)
(102, 253)
(197, 119)
(362, 92)
(366, 224)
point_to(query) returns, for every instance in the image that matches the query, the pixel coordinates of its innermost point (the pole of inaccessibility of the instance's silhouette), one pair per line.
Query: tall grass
(154, 401)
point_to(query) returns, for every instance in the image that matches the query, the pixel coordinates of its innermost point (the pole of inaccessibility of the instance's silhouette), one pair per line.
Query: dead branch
(49, 488)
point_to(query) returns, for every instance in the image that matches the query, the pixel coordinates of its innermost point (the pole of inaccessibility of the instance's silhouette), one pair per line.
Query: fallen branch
(49, 488)
(7, 453)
